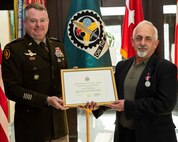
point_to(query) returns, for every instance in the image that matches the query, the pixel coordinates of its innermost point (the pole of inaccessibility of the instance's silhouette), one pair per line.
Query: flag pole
(87, 125)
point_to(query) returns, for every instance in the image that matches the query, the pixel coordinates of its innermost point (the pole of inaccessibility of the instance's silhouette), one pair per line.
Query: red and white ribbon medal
(147, 82)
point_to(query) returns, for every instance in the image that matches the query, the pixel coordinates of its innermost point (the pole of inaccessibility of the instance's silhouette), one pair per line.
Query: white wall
(4, 39)
(4, 28)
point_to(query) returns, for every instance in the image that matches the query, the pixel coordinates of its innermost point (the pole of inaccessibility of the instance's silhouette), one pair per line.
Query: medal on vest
(147, 82)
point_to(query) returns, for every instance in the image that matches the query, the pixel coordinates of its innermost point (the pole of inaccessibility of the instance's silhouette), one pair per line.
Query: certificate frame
(82, 85)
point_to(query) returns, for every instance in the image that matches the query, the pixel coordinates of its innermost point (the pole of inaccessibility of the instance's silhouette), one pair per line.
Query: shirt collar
(141, 63)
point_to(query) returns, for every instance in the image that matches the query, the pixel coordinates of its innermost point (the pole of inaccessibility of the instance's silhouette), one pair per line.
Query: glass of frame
(83, 85)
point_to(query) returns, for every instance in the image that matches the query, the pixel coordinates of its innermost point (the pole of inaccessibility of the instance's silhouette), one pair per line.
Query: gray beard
(141, 54)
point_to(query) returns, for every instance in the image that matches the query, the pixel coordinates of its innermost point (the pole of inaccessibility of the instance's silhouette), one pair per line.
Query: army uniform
(31, 74)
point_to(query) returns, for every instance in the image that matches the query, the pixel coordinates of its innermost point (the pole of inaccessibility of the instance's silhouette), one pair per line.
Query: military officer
(31, 73)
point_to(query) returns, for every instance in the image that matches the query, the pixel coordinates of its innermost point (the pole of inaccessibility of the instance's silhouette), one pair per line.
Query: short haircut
(36, 6)
(148, 23)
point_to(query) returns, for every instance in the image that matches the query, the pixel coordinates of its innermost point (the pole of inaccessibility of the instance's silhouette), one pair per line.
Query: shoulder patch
(6, 53)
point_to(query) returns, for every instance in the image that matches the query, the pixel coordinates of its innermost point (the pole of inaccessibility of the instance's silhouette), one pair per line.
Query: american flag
(4, 137)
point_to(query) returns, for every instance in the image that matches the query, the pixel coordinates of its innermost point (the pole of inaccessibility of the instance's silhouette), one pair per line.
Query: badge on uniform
(36, 76)
(147, 78)
(30, 54)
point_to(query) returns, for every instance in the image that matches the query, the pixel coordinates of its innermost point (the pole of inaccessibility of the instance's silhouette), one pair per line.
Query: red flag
(133, 15)
(3, 109)
(176, 39)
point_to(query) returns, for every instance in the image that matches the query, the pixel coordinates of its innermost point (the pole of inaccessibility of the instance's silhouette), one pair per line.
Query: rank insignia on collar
(30, 53)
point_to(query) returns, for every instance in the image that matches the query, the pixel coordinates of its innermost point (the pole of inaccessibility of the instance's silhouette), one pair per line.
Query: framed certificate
(83, 85)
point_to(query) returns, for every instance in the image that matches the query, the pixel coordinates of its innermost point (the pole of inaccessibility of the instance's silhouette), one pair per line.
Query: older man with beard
(146, 88)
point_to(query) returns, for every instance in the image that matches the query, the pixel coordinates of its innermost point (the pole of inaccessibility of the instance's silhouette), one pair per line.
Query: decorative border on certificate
(83, 85)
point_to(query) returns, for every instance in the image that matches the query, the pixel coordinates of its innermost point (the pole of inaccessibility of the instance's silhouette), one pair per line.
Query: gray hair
(148, 23)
